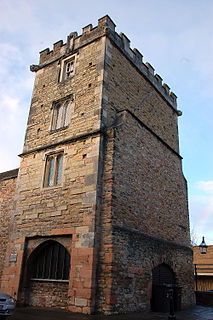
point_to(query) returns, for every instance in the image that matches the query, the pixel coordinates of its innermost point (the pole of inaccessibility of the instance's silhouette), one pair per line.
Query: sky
(174, 36)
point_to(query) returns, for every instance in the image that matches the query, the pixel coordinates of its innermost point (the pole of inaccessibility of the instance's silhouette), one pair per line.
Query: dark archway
(163, 279)
(49, 261)
(48, 270)
(163, 274)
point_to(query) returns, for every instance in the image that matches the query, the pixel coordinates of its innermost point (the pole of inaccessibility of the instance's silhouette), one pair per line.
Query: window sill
(47, 188)
(62, 81)
(57, 130)
(49, 280)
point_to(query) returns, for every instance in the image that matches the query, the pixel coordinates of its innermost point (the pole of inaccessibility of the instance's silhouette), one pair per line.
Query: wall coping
(11, 174)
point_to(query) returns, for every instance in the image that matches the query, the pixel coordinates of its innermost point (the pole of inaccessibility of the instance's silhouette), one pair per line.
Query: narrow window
(66, 113)
(53, 170)
(69, 69)
(59, 169)
(51, 164)
(61, 114)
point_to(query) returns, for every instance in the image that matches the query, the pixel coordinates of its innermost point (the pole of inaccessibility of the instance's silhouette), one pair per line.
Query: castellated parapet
(107, 27)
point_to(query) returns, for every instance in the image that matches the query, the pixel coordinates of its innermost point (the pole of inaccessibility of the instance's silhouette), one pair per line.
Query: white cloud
(10, 103)
(201, 214)
(206, 186)
(10, 58)
(9, 106)
(16, 14)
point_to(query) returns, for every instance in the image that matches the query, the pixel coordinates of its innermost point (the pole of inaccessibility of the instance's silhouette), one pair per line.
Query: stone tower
(100, 215)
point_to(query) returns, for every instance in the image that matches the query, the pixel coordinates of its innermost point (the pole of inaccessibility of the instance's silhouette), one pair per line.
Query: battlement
(106, 27)
(74, 41)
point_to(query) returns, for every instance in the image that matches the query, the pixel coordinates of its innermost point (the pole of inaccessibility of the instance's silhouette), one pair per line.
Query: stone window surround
(64, 63)
(45, 180)
(35, 241)
(61, 261)
(65, 117)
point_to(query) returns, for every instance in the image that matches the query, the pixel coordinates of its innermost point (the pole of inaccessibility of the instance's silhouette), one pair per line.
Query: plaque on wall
(13, 257)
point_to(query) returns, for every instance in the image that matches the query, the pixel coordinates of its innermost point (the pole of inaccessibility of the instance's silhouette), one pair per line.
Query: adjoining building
(7, 190)
(100, 215)
(203, 269)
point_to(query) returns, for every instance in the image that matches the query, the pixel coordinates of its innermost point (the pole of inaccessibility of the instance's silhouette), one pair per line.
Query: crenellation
(174, 98)
(106, 21)
(57, 45)
(146, 69)
(138, 56)
(106, 26)
(87, 29)
(166, 87)
(126, 44)
(159, 79)
(45, 51)
(43, 55)
(150, 68)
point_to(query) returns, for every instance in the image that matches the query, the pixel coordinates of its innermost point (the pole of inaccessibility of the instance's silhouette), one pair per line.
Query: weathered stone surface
(48, 294)
(121, 207)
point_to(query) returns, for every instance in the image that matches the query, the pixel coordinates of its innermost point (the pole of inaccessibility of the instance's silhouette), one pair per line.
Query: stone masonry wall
(121, 177)
(68, 209)
(48, 294)
(144, 193)
(126, 88)
(104, 226)
(150, 192)
(135, 256)
(69, 204)
(7, 190)
(43, 292)
(85, 86)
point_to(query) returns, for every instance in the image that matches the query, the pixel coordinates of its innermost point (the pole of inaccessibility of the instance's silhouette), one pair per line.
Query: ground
(197, 313)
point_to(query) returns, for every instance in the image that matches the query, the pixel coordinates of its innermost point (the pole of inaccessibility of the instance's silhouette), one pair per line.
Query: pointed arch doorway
(48, 270)
(163, 279)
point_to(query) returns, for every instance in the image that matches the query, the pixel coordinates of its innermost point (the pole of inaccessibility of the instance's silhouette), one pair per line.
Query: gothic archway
(163, 278)
(48, 275)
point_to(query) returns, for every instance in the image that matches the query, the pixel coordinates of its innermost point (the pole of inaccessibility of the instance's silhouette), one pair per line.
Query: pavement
(29, 313)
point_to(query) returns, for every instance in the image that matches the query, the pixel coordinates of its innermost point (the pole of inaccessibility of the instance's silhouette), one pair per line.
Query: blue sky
(175, 36)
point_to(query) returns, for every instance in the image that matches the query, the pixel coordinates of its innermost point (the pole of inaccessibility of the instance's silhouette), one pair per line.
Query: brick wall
(48, 294)
(7, 191)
